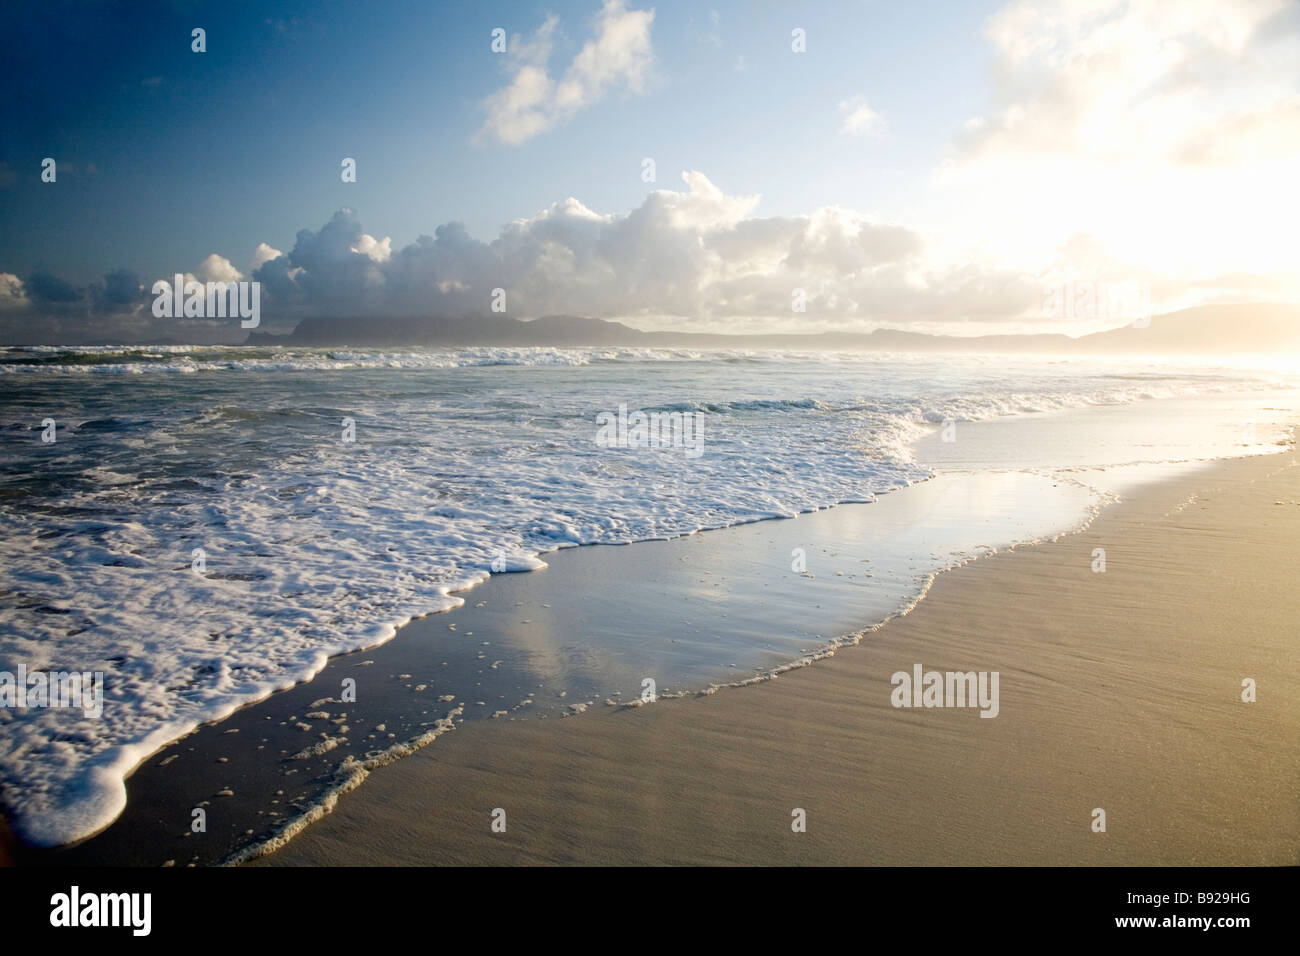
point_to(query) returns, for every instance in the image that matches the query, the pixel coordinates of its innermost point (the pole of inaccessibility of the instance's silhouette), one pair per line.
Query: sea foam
(465, 462)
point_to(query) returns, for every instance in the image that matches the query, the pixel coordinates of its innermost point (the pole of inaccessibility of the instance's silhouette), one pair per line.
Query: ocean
(204, 526)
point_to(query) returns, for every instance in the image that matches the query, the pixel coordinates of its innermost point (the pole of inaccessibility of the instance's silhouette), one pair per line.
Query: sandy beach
(1119, 690)
(631, 434)
(1110, 695)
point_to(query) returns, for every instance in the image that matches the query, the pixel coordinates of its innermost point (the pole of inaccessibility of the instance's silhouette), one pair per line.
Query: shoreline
(1111, 699)
(150, 801)
(1071, 437)
(214, 765)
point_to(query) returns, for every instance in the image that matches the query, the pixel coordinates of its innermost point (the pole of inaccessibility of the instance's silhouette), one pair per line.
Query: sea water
(204, 526)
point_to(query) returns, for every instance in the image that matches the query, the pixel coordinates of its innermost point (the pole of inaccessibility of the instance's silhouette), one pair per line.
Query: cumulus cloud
(378, 250)
(44, 307)
(217, 268)
(695, 258)
(327, 266)
(47, 289)
(263, 254)
(13, 295)
(122, 290)
(859, 118)
(619, 53)
(1140, 80)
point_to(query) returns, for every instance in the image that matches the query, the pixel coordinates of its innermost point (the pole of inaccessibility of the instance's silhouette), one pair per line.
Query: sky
(746, 166)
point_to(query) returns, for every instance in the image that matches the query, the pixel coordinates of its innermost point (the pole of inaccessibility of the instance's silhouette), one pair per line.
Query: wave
(314, 545)
(188, 359)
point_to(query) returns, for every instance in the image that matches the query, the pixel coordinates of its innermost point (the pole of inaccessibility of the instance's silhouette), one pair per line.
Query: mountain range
(1236, 329)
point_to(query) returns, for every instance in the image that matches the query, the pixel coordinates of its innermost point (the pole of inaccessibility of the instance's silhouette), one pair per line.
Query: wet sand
(577, 637)
(1113, 695)
(1119, 691)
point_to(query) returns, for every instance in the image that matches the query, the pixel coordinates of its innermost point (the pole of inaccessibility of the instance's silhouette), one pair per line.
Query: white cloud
(1169, 129)
(619, 53)
(859, 117)
(379, 250)
(704, 206)
(263, 254)
(1136, 80)
(217, 268)
(696, 258)
(12, 293)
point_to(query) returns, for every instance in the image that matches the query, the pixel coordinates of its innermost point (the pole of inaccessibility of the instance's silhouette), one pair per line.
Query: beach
(860, 607)
(1120, 690)
(625, 434)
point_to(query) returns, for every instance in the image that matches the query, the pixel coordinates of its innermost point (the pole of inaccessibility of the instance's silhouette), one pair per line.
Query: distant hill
(1249, 328)
(1253, 328)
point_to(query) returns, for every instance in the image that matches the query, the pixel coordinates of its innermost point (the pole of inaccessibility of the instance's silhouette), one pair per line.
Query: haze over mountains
(1240, 329)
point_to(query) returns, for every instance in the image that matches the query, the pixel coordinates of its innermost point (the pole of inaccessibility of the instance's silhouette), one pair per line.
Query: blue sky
(985, 135)
(242, 144)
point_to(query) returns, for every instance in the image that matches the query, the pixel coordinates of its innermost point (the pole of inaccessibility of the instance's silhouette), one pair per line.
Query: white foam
(464, 459)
